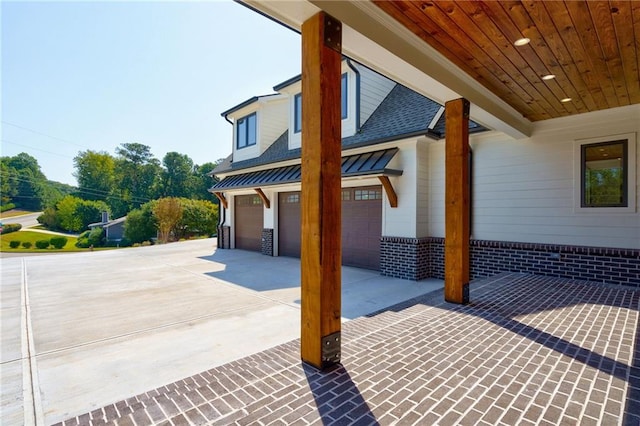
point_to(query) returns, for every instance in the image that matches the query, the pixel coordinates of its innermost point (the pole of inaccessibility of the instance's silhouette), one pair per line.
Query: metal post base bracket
(331, 349)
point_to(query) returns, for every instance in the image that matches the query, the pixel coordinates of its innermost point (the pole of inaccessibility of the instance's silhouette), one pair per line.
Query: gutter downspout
(222, 217)
(355, 70)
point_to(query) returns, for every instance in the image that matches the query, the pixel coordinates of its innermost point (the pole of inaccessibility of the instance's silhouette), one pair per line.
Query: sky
(88, 75)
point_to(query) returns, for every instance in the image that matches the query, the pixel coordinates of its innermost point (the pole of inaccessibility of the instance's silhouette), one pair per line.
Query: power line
(81, 190)
(37, 149)
(43, 134)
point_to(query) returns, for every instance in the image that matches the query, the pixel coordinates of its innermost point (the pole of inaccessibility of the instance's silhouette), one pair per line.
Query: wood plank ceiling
(591, 47)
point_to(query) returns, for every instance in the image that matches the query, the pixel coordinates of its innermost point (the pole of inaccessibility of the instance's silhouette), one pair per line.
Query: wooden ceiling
(592, 48)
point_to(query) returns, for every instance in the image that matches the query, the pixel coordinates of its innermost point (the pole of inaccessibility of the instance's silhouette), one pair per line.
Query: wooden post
(321, 203)
(457, 193)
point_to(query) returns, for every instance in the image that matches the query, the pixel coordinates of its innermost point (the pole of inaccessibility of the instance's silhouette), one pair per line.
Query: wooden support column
(321, 204)
(457, 194)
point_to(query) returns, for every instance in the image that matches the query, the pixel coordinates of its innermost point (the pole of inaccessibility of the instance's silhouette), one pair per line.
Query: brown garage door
(361, 226)
(248, 222)
(289, 224)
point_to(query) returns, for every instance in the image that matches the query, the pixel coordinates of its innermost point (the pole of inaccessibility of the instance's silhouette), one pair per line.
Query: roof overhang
(357, 165)
(373, 38)
(251, 101)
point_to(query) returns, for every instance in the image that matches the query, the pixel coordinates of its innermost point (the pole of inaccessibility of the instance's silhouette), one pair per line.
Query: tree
(25, 181)
(75, 214)
(178, 169)
(199, 217)
(202, 180)
(137, 174)
(95, 174)
(141, 225)
(168, 212)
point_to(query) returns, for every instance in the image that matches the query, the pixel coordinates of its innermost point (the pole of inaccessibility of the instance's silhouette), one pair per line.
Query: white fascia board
(375, 39)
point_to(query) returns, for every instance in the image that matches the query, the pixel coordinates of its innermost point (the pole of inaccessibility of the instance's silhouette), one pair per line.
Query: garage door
(248, 222)
(289, 224)
(361, 226)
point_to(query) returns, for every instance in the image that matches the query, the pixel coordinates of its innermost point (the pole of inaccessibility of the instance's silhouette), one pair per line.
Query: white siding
(523, 190)
(274, 120)
(373, 89)
(401, 221)
(422, 177)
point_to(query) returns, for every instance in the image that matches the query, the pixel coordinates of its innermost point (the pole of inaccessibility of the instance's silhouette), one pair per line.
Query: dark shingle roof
(403, 113)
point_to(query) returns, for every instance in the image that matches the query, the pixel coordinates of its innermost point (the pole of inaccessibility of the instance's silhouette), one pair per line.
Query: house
(385, 127)
(113, 229)
(550, 188)
(527, 214)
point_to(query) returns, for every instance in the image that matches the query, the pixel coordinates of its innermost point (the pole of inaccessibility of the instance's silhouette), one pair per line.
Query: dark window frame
(297, 113)
(344, 104)
(242, 131)
(625, 173)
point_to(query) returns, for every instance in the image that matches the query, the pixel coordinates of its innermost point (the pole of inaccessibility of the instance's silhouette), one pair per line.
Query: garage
(248, 222)
(361, 226)
(289, 224)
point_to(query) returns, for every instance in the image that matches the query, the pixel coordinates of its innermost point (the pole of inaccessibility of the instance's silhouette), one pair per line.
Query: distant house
(113, 229)
(530, 209)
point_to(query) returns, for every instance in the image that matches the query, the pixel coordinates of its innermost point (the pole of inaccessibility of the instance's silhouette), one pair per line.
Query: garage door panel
(361, 226)
(248, 222)
(289, 224)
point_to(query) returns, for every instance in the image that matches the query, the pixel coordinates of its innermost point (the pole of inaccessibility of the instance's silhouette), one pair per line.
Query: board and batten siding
(273, 122)
(401, 221)
(523, 190)
(373, 89)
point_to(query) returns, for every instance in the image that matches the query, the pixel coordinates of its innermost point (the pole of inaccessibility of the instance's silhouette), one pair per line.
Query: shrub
(11, 227)
(58, 242)
(7, 207)
(26, 244)
(14, 244)
(94, 238)
(42, 244)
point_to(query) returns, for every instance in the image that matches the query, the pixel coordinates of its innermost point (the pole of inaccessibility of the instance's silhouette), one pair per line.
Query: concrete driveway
(83, 330)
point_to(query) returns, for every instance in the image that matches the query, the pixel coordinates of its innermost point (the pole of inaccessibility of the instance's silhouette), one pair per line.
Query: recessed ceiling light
(565, 100)
(548, 77)
(522, 41)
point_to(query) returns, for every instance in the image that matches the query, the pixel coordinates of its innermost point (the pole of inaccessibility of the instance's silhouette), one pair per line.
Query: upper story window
(344, 105)
(344, 96)
(246, 131)
(297, 115)
(604, 174)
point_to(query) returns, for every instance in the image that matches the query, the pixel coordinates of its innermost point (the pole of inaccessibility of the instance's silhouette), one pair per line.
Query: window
(346, 194)
(368, 194)
(297, 113)
(604, 174)
(292, 199)
(344, 96)
(246, 131)
(297, 105)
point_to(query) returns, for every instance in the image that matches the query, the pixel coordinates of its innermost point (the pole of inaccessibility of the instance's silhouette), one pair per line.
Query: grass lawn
(32, 237)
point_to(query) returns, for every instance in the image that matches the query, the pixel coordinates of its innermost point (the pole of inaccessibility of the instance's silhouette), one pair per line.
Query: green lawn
(32, 237)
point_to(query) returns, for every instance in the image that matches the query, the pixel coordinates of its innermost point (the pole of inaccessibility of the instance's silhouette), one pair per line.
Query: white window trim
(631, 174)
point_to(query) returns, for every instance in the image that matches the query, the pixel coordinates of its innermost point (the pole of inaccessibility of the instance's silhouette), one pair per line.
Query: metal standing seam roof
(369, 163)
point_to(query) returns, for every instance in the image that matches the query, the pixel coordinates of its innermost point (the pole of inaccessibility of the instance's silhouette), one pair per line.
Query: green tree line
(167, 198)
(22, 184)
(116, 183)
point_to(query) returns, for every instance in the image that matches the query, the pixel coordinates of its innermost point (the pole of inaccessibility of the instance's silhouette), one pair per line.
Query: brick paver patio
(527, 350)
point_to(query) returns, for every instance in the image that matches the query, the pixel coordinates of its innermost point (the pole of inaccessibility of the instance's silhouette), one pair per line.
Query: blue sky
(93, 75)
